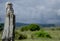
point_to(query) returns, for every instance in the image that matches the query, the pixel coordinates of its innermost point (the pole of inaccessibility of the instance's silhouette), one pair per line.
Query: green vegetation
(20, 36)
(43, 34)
(31, 27)
(1, 26)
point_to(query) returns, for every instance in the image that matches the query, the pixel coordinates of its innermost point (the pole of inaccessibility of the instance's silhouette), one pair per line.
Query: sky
(33, 11)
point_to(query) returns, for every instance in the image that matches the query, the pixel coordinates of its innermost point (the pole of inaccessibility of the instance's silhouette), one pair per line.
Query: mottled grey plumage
(9, 26)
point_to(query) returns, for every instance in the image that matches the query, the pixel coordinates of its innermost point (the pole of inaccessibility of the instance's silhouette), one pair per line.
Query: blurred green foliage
(43, 34)
(1, 26)
(31, 27)
(20, 36)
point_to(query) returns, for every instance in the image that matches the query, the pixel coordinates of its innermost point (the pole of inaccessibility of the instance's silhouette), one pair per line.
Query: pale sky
(33, 11)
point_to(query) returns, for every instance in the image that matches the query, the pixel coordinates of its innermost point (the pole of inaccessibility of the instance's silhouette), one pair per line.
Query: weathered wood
(9, 26)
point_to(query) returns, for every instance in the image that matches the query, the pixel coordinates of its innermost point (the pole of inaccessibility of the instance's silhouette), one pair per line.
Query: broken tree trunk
(9, 26)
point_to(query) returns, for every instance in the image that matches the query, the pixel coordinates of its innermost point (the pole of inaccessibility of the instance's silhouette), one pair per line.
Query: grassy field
(54, 33)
